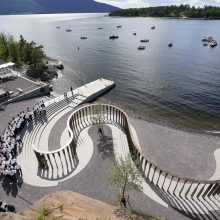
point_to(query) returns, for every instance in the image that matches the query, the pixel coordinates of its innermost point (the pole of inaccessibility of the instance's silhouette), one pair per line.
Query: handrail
(120, 117)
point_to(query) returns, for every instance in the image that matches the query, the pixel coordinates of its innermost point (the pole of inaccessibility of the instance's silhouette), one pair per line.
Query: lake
(179, 86)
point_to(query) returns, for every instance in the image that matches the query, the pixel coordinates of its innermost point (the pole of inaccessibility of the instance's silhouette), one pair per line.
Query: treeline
(26, 55)
(182, 11)
(20, 52)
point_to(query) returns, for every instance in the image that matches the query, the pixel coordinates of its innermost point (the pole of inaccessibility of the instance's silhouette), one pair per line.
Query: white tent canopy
(5, 65)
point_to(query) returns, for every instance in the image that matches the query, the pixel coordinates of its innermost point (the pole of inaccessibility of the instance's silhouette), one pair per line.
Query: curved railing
(163, 179)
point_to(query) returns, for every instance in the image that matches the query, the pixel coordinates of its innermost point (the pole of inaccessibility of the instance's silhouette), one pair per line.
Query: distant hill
(52, 6)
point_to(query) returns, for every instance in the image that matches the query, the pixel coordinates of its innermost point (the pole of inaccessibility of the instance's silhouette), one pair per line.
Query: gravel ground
(182, 152)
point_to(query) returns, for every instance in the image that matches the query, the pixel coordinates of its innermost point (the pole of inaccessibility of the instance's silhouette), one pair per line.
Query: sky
(146, 3)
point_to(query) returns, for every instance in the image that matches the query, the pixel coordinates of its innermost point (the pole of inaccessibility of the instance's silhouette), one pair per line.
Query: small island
(29, 57)
(173, 11)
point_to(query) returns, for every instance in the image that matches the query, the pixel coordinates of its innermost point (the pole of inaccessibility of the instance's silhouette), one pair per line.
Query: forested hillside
(52, 6)
(182, 11)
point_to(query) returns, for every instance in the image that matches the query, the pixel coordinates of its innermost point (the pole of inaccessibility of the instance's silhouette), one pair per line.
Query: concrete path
(216, 174)
(37, 134)
(33, 176)
(121, 149)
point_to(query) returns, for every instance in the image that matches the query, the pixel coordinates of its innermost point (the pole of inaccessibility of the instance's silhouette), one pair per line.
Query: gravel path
(184, 153)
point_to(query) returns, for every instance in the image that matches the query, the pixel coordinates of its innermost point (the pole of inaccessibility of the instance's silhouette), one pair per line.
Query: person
(43, 107)
(18, 139)
(34, 112)
(30, 114)
(71, 90)
(18, 169)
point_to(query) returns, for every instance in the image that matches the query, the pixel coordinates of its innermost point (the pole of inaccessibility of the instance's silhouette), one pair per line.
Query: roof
(5, 65)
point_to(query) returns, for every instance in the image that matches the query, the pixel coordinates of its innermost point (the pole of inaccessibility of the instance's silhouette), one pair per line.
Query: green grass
(44, 213)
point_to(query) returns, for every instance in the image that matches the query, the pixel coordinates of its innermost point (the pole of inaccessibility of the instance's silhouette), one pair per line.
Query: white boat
(207, 39)
(213, 43)
(144, 40)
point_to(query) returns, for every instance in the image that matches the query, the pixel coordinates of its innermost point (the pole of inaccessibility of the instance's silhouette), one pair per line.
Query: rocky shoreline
(46, 72)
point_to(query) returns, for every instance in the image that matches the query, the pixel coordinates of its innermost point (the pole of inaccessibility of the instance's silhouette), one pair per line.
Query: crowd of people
(10, 140)
(7, 74)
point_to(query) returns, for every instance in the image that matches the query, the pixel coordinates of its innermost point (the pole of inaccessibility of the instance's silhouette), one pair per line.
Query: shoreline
(178, 18)
(171, 125)
(164, 123)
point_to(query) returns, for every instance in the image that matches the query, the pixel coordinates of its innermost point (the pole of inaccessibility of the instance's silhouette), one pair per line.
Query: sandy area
(74, 206)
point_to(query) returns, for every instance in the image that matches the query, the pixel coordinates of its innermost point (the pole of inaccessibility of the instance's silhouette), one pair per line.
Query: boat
(83, 38)
(134, 33)
(153, 27)
(205, 44)
(207, 39)
(68, 30)
(170, 45)
(213, 43)
(113, 37)
(59, 65)
(100, 28)
(141, 48)
(144, 40)
(58, 27)
(118, 26)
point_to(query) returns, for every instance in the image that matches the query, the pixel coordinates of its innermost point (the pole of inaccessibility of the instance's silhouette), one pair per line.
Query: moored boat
(100, 28)
(153, 27)
(170, 44)
(68, 30)
(207, 39)
(118, 26)
(113, 37)
(144, 40)
(83, 38)
(58, 27)
(141, 48)
(213, 43)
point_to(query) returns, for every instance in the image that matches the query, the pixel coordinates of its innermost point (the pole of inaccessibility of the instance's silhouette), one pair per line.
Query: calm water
(178, 85)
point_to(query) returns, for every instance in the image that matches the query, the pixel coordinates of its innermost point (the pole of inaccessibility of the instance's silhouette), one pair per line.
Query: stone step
(50, 113)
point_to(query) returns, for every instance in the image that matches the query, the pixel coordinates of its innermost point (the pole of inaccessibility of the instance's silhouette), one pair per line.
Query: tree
(3, 47)
(125, 176)
(97, 116)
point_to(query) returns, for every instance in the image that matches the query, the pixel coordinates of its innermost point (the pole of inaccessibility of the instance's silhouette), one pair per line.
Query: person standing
(18, 139)
(71, 88)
